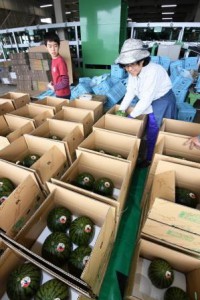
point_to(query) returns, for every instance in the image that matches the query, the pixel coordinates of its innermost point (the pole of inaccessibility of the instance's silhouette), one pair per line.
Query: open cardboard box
(180, 127)
(95, 107)
(116, 123)
(11, 129)
(6, 106)
(77, 115)
(38, 114)
(115, 108)
(22, 202)
(17, 99)
(12, 258)
(53, 159)
(112, 143)
(119, 171)
(71, 134)
(173, 145)
(54, 102)
(186, 269)
(103, 216)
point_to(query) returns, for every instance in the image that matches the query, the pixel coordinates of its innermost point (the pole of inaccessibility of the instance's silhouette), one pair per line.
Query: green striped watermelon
(6, 188)
(54, 137)
(104, 186)
(78, 259)
(29, 160)
(160, 273)
(175, 293)
(56, 248)
(85, 180)
(59, 219)
(81, 231)
(186, 197)
(53, 289)
(23, 282)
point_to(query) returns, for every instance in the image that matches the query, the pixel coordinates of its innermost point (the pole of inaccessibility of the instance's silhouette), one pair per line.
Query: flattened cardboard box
(120, 124)
(54, 102)
(99, 166)
(18, 99)
(22, 202)
(76, 115)
(186, 268)
(174, 146)
(95, 107)
(53, 160)
(38, 114)
(113, 144)
(103, 216)
(71, 134)
(180, 127)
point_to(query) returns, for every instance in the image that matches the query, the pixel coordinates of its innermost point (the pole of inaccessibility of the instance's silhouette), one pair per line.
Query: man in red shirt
(59, 71)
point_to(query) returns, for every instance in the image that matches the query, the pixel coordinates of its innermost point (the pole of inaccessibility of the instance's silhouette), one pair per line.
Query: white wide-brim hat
(132, 50)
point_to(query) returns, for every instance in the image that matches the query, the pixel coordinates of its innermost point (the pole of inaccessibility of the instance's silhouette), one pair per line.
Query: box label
(195, 218)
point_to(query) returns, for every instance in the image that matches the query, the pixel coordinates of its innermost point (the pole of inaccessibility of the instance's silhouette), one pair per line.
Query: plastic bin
(186, 112)
(191, 63)
(117, 72)
(181, 83)
(155, 59)
(102, 88)
(180, 95)
(165, 62)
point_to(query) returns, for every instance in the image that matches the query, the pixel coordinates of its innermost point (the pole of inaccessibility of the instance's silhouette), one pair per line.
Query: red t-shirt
(59, 69)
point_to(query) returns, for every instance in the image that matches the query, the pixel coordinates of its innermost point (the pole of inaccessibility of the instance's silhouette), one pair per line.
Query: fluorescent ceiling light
(169, 5)
(167, 13)
(46, 20)
(68, 12)
(46, 5)
(167, 18)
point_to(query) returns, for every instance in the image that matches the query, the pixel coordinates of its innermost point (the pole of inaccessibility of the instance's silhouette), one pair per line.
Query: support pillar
(59, 9)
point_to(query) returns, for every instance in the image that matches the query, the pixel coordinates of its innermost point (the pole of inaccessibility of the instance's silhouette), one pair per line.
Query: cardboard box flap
(19, 147)
(163, 186)
(26, 128)
(48, 267)
(6, 108)
(4, 126)
(14, 122)
(17, 205)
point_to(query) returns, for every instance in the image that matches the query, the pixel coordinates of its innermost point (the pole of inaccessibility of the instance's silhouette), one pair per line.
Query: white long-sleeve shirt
(152, 83)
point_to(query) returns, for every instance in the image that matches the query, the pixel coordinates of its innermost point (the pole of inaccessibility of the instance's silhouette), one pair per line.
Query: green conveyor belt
(119, 264)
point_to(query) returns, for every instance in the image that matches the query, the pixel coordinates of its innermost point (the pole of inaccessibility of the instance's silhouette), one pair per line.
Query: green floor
(119, 264)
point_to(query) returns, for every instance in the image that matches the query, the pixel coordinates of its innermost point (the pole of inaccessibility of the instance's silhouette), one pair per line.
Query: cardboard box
(112, 143)
(6, 106)
(38, 114)
(17, 208)
(180, 127)
(119, 124)
(54, 102)
(173, 145)
(53, 160)
(115, 108)
(71, 134)
(99, 166)
(77, 115)
(186, 269)
(103, 216)
(95, 107)
(64, 52)
(17, 99)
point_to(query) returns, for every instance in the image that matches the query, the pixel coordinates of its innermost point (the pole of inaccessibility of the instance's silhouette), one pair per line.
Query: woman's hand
(193, 142)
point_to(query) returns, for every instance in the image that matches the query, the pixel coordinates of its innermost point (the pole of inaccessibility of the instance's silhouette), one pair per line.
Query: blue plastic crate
(174, 68)
(80, 89)
(197, 85)
(181, 82)
(180, 95)
(117, 71)
(116, 93)
(155, 59)
(86, 80)
(102, 88)
(191, 63)
(186, 112)
(165, 62)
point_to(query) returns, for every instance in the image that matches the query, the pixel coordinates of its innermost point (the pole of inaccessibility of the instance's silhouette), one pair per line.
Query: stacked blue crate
(103, 87)
(180, 95)
(191, 63)
(155, 59)
(186, 112)
(197, 85)
(115, 94)
(80, 89)
(174, 69)
(165, 62)
(181, 82)
(117, 72)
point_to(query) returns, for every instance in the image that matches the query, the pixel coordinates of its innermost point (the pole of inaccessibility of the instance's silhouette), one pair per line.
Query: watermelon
(78, 259)
(29, 160)
(52, 290)
(85, 180)
(6, 188)
(160, 273)
(175, 293)
(117, 155)
(55, 137)
(23, 282)
(59, 219)
(101, 151)
(56, 248)
(186, 197)
(81, 231)
(121, 113)
(104, 186)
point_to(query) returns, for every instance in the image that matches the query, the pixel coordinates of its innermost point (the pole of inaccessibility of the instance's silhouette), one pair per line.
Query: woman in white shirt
(152, 86)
